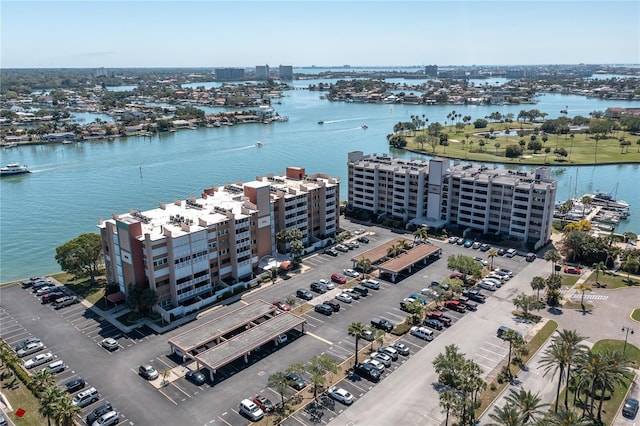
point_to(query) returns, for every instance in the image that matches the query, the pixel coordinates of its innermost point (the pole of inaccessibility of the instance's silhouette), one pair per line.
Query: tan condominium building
(517, 204)
(190, 247)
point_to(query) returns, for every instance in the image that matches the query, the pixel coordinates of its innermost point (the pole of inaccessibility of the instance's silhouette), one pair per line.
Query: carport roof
(409, 258)
(378, 253)
(232, 349)
(211, 330)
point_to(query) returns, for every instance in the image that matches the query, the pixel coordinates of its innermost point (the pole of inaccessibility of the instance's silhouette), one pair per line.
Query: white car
(487, 285)
(327, 283)
(382, 357)
(351, 273)
(476, 245)
(38, 360)
(341, 395)
(344, 297)
(377, 364)
(31, 348)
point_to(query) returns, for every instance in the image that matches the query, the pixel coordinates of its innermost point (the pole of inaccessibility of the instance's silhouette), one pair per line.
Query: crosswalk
(589, 296)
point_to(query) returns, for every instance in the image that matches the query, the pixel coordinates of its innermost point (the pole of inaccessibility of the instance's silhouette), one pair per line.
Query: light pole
(626, 330)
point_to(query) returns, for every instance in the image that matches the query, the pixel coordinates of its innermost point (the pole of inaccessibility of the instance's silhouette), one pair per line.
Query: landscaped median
(494, 389)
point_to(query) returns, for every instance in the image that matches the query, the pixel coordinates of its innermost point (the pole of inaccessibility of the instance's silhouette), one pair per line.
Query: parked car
(476, 245)
(502, 251)
(85, 398)
(438, 315)
(372, 284)
(331, 252)
(455, 305)
(460, 241)
(351, 273)
(75, 385)
(377, 364)
(38, 360)
(485, 247)
(340, 395)
(382, 324)
(401, 348)
(196, 377)
(362, 291)
(351, 292)
(250, 410)
(44, 290)
(148, 372)
(338, 278)
(109, 344)
(304, 294)
(318, 288)
(487, 285)
(30, 348)
(531, 257)
(419, 298)
(98, 411)
(367, 335)
(511, 252)
(342, 248)
(295, 381)
(283, 306)
(26, 342)
(452, 240)
(334, 305)
(51, 296)
(107, 419)
(433, 323)
(344, 297)
(363, 240)
(630, 408)
(328, 284)
(352, 245)
(367, 371)
(65, 301)
(468, 304)
(382, 357)
(264, 403)
(55, 367)
(503, 329)
(390, 351)
(572, 270)
(474, 295)
(324, 309)
(481, 261)
(421, 332)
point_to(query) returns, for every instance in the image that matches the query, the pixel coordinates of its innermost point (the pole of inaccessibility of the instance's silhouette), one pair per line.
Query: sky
(119, 33)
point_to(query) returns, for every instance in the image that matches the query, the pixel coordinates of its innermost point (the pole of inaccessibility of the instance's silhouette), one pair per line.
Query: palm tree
(537, 284)
(448, 400)
(583, 288)
(364, 264)
(394, 250)
(356, 329)
(572, 342)
(554, 257)
(421, 233)
(565, 418)
(65, 411)
(492, 253)
(514, 338)
(554, 360)
(509, 415)
(49, 398)
(598, 267)
(278, 382)
(602, 371)
(42, 380)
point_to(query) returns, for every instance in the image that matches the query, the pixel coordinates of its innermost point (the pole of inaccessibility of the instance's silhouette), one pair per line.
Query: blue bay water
(73, 185)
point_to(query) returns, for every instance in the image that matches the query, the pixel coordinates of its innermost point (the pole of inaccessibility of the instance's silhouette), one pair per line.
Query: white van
(422, 332)
(511, 252)
(251, 410)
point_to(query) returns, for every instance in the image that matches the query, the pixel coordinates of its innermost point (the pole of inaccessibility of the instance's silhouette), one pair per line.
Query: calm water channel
(73, 185)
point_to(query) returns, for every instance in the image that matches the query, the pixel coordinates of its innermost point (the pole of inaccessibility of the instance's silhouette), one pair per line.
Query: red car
(572, 270)
(338, 278)
(283, 306)
(265, 404)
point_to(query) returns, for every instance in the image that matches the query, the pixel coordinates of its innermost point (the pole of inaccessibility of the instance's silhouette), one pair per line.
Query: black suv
(318, 287)
(74, 385)
(304, 294)
(367, 371)
(98, 411)
(324, 309)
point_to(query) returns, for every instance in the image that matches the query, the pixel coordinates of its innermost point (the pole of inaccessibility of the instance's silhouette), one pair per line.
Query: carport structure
(379, 253)
(420, 253)
(238, 332)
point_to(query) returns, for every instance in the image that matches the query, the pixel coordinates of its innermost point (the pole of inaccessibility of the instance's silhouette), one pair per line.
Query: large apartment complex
(518, 204)
(190, 247)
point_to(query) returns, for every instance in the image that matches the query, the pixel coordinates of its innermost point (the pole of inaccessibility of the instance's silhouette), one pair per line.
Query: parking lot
(70, 330)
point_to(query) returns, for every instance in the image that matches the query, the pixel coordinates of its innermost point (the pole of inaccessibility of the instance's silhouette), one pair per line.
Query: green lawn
(636, 314)
(84, 288)
(569, 279)
(20, 397)
(582, 147)
(576, 305)
(612, 281)
(632, 352)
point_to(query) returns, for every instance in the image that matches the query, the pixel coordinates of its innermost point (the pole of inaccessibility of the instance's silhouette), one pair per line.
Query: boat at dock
(14, 169)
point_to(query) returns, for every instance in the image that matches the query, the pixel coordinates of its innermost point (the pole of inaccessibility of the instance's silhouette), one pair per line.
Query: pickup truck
(474, 295)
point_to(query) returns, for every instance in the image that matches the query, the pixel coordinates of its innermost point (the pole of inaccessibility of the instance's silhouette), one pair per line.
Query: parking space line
(315, 336)
(180, 389)
(413, 344)
(224, 421)
(485, 357)
(167, 396)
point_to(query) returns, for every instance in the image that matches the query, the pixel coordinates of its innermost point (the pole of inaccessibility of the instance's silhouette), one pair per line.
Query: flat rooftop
(379, 252)
(409, 258)
(232, 349)
(217, 327)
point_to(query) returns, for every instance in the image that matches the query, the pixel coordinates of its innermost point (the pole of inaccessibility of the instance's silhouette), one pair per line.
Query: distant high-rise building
(262, 72)
(286, 72)
(431, 71)
(99, 72)
(228, 74)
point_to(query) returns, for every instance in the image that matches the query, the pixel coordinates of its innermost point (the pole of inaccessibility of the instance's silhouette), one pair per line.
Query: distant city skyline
(121, 34)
